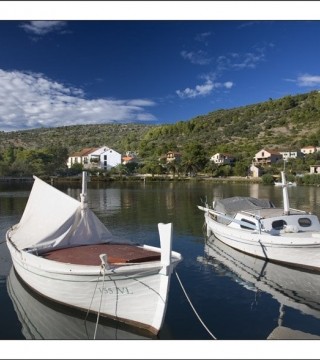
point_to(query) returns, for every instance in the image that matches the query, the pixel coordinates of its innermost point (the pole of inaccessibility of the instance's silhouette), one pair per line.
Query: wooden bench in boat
(89, 254)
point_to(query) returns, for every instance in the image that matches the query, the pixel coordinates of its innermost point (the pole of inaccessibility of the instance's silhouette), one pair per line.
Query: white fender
(165, 233)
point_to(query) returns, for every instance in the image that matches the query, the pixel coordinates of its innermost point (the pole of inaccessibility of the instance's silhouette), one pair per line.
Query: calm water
(236, 297)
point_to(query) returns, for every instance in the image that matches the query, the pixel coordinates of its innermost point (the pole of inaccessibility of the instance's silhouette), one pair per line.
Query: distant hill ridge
(287, 123)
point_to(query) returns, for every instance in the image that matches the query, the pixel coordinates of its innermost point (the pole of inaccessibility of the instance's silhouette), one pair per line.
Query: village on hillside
(105, 158)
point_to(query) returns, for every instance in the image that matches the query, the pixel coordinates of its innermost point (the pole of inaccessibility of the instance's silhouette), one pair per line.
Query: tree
(120, 169)
(267, 179)
(173, 167)
(240, 168)
(151, 166)
(57, 156)
(194, 158)
(226, 170)
(211, 168)
(131, 167)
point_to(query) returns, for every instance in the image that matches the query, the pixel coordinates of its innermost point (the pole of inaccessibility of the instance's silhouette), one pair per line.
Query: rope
(92, 299)
(194, 308)
(95, 330)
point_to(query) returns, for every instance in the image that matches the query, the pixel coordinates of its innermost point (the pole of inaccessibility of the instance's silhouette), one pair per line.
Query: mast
(83, 195)
(286, 206)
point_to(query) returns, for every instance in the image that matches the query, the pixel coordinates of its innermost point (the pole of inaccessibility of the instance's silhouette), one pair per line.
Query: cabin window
(279, 224)
(251, 225)
(304, 222)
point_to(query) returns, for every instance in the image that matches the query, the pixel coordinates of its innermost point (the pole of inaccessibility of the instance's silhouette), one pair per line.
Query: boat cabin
(275, 222)
(247, 213)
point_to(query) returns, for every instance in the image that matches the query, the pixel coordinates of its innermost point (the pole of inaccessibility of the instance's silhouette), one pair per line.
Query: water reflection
(292, 288)
(136, 208)
(42, 319)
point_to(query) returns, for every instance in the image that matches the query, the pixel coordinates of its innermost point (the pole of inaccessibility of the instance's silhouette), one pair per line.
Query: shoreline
(134, 178)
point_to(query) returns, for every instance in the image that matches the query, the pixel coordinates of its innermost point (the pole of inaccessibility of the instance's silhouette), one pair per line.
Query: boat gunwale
(62, 268)
(267, 213)
(313, 240)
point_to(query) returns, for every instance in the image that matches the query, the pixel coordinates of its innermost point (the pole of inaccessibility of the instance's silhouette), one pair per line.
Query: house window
(105, 157)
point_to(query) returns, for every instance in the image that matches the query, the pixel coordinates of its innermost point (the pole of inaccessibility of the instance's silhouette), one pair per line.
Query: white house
(314, 169)
(80, 157)
(267, 157)
(173, 156)
(95, 158)
(308, 150)
(104, 158)
(255, 171)
(222, 159)
(291, 154)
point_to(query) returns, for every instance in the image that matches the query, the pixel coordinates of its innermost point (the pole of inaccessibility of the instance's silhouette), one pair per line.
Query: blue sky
(66, 72)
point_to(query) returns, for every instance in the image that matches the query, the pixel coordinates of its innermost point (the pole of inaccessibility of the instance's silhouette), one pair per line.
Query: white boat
(258, 227)
(291, 287)
(64, 252)
(42, 319)
(289, 183)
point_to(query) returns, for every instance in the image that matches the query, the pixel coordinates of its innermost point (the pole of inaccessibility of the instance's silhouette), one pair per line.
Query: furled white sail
(53, 219)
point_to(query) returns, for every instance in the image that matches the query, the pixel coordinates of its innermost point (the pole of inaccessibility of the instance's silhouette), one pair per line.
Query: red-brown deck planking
(89, 254)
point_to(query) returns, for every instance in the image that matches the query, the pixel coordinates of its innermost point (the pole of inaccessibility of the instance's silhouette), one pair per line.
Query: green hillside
(288, 123)
(117, 136)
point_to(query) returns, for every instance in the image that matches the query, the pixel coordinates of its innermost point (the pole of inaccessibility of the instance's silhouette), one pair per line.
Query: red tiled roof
(84, 152)
(271, 151)
(127, 158)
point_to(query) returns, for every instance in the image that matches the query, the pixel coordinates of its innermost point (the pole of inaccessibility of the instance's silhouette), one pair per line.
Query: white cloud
(41, 27)
(203, 37)
(29, 100)
(228, 84)
(308, 80)
(200, 57)
(202, 90)
(199, 90)
(231, 62)
(236, 61)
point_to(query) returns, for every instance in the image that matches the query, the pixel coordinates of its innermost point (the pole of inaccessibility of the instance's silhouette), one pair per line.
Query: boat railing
(256, 216)
(232, 219)
(298, 210)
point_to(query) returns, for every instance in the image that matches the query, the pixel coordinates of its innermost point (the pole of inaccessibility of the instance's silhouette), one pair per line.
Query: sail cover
(237, 203)
(52, 219)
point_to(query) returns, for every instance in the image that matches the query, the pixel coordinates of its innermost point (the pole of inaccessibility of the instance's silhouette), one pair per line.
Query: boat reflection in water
(291, 287)
(43, 319)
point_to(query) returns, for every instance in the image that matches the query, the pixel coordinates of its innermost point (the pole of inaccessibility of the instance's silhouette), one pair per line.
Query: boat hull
(133, 294)
(42, 319)
(290, 249)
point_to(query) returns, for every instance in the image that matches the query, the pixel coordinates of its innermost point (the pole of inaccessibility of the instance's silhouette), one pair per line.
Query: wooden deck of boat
(89, 254)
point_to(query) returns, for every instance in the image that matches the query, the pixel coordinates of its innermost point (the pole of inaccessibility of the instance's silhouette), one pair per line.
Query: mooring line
(98, 315)
(194, 308)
